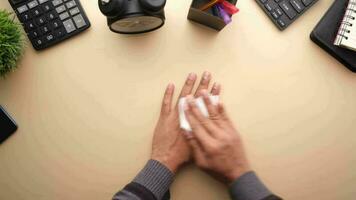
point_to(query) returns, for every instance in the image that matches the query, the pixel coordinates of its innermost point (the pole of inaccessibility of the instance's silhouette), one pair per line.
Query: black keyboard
(48, 22)
(285, 12)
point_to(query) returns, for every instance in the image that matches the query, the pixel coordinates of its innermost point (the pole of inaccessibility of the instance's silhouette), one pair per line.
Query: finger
(188, 85)
(198, 131)
(216, 89)
(212, 109)
(198, 152)
(204, 83)
(210, 127)
(167, 99)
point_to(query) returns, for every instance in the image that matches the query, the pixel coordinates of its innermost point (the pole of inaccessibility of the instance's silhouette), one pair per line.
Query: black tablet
(7, 125)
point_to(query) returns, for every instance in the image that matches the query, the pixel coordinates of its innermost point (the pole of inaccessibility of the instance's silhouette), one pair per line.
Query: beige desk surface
(87, 107)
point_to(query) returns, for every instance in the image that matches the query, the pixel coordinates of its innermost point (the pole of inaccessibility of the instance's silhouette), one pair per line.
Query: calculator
(48, 22)
(285, 12)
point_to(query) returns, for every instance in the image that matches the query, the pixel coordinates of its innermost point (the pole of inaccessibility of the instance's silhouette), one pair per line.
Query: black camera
(133, 16)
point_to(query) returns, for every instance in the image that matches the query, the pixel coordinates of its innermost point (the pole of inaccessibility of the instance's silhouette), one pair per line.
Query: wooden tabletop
(86, 108)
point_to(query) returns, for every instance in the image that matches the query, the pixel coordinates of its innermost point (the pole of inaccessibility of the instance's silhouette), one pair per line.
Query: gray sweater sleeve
(249, 187)
(155, 177)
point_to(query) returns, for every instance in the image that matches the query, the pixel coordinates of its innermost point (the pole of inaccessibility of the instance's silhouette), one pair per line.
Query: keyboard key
(69, 26)
(274, 14)
(307, 2)
(297, 5)
(60, 9)
(64, 16)
(271, 5)
(74, 11)
(32, 4)
(57, 2)
(283, 21)
(79, 21)
(279, 11)
(71, 4)
(22, 9)
(288, 9)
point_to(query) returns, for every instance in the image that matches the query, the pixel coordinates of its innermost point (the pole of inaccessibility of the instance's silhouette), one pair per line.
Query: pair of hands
(214, 144)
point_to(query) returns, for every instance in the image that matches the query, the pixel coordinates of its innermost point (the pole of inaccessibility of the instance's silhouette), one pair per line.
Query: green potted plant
(11, 42)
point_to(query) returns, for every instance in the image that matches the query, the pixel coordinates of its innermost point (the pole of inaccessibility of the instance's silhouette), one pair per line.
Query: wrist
(237, 173)
(171, 165)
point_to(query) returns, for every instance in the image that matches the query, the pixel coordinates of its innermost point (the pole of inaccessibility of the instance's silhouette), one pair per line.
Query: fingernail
(188, 134)
(170, 86)
(216, 86)
(206, 75)
(191, 76)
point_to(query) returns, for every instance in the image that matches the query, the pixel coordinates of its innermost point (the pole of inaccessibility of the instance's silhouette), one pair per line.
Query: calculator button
(49, 37)
(56, 24)
(288, 9)
(25, 16)
(42, 1)
(44, 29)
(47, 7)
(38, 42)
(32, 4)
(69, 26)
(37, 12)
(71, 4)
(79, 21)
(40, 21)
(59, 33)
(57, 2)
(22, 9)
(263, 1)
(74, 11)
(60, 9)
(298, 6)
(51, 15)
(30, 26)
(64, 16)
(34, 34)
(307, 2)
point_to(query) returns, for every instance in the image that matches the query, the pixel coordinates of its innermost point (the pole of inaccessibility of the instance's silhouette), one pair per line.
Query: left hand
(169, 146)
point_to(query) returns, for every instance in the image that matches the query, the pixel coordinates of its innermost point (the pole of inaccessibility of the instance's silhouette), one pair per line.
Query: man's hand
(216, 144)
(169, 146)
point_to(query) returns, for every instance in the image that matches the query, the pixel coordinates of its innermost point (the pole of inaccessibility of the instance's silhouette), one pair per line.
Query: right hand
(217, 146)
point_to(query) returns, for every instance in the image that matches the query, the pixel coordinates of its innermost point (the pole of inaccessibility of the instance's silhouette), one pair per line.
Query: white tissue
(184, 124)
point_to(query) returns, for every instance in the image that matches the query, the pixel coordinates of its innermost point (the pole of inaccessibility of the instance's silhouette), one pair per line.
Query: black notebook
(325, 32)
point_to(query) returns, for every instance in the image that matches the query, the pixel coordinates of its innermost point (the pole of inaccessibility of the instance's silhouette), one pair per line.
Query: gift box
(207, 17)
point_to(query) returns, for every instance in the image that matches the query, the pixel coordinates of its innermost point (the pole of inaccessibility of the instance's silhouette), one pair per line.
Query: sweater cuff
(155, 177)
(248, 187)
